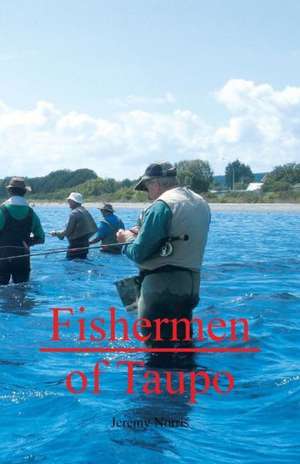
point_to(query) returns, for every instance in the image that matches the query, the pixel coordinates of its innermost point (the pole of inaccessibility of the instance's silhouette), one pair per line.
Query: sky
(115, 85)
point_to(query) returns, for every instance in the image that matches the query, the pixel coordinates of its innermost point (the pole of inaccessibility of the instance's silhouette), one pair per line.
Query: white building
(254, 186)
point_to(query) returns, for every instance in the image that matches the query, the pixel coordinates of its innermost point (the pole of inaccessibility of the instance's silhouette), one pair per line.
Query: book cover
(92, 93)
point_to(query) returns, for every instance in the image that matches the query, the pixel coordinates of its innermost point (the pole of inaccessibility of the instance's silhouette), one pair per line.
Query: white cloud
(135, 100)
(262, 130)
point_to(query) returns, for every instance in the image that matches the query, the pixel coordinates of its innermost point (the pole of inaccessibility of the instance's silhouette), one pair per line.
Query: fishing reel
(168, 248)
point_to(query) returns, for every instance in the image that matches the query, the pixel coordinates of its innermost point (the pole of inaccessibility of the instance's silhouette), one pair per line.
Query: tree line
(196, 174)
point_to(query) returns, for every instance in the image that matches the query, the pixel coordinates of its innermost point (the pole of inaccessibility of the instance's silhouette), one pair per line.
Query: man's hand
(125, 236)
(135, 230)
(60, 235)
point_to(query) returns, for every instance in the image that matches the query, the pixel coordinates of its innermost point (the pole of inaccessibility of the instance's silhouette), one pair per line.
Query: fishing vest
(191, 217)
(111, 238)
(84, 224)
(15, 231)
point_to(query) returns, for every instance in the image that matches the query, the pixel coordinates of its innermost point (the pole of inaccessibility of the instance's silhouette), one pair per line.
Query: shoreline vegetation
(282, 185)
(236, 207)
(229, 199)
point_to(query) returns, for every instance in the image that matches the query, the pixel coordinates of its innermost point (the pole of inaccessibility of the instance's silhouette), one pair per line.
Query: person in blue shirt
(107, 230)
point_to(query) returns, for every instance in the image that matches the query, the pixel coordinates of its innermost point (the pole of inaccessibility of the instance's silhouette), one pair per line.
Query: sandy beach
(257, 207)
(238, 207)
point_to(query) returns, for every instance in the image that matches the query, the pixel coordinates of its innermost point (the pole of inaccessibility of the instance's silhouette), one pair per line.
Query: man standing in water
(20, 228)
(108, 229)
(168, 248)
(81, 226)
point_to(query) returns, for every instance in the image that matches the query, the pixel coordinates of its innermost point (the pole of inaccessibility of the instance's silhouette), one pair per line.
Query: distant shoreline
(255, 207)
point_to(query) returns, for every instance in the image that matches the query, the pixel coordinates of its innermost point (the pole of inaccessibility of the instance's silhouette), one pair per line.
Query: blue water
(251, 270)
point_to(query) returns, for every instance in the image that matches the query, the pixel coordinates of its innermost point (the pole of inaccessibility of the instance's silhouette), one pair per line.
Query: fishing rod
(166, 250)
(61, 250)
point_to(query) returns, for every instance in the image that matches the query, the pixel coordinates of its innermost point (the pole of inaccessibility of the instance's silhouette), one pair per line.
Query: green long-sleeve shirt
(152, 234)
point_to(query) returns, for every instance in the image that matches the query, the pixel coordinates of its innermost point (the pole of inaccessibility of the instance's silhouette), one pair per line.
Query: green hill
(282, 184)
(56, 180)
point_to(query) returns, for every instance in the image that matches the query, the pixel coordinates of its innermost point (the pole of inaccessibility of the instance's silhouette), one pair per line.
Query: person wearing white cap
(80, 228)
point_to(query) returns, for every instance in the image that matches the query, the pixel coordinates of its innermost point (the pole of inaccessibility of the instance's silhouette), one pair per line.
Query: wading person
(20, 228)
(107, 230)
(81, 226)
(168, 249)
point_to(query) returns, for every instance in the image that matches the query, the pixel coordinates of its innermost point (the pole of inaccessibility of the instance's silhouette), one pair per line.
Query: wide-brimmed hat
(77, 197)
(154, 170)
(18, 182)
(106, 207)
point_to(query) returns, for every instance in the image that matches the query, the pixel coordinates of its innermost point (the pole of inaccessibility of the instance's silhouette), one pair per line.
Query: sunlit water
(251, 270)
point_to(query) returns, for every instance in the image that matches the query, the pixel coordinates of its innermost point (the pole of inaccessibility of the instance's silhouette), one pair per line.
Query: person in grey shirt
(80, 228)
